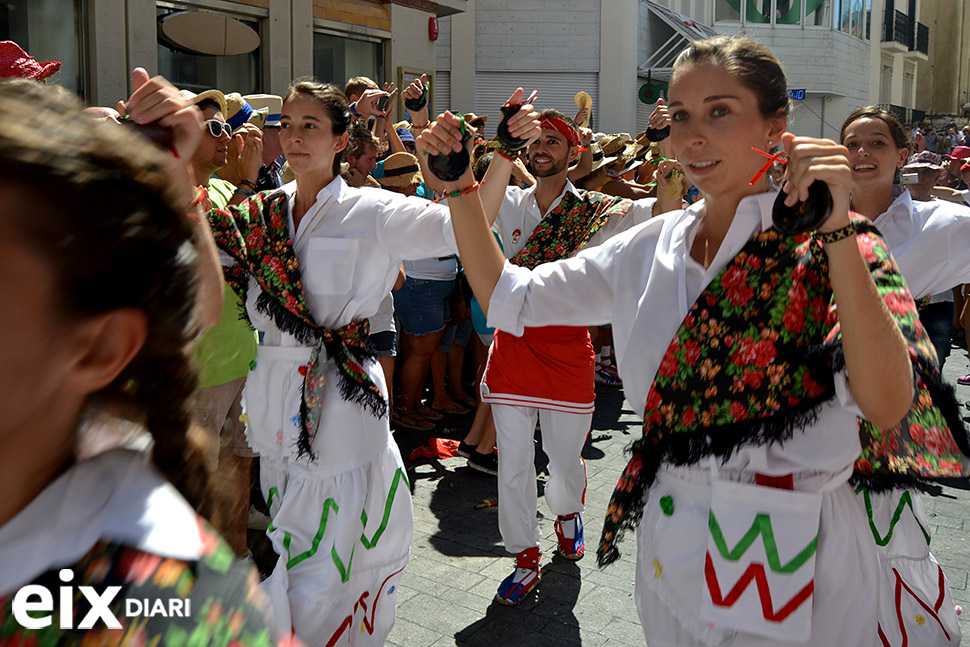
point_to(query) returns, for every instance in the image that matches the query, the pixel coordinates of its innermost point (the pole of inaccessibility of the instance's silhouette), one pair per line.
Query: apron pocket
(759, 570)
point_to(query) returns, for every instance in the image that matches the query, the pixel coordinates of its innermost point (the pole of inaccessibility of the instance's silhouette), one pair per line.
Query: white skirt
(674, 569)
(342, 525)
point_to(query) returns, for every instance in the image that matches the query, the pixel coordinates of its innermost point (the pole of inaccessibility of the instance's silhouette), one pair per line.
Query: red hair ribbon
(780, 157)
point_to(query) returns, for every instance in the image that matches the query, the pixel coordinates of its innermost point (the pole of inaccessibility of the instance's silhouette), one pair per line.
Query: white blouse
(930, 241)
(644, 282)
(350, 244)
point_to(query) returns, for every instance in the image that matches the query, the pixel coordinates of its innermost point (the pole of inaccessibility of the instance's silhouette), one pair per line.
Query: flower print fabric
(226, 606)
(753, 360)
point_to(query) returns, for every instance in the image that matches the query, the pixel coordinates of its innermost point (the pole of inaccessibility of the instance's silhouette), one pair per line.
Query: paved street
(446, 595)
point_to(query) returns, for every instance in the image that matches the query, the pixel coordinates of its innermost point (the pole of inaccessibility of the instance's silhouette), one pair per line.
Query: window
(337, 59)
(727, 11)
(818, 13)
(199, 72)
(48, 33)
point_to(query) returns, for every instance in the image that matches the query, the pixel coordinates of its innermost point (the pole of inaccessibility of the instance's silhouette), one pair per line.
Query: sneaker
(569, 532)
(611, 369)
(964, 380)
(257, 520)
(465, 450)
(523, 579)
(487, 463)
(604, 377)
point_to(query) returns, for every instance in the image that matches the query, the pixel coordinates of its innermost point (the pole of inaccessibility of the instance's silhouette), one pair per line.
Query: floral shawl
(255, 234)
(753, 361)
(569, 226)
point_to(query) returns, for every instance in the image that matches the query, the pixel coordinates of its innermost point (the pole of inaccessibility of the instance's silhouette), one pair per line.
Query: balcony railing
(922, 38)
(898, 27)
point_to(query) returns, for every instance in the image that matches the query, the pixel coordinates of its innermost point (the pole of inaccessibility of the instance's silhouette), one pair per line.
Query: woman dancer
(930, 241)
(98, 280)
(312, 261)
(748, 530)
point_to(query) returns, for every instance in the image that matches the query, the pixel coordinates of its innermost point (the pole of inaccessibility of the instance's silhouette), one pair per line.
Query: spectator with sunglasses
(223, 353)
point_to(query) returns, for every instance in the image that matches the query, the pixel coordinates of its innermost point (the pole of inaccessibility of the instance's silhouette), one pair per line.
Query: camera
(383, 103)
(909, 178)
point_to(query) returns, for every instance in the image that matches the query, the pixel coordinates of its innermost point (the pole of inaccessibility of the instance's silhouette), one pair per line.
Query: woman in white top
(318, 258)
(930, 241)
(742, 539)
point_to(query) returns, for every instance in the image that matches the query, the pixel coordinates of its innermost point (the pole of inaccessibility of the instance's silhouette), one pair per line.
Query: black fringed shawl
(255, 234)
(753, 361)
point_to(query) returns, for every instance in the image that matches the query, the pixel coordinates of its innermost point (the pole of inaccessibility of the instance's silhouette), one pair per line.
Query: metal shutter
(805, 119)
(556, 90)
(441, 86)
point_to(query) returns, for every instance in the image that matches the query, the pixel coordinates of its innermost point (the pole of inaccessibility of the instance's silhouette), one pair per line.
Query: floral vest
(753, 361)
(255, 234)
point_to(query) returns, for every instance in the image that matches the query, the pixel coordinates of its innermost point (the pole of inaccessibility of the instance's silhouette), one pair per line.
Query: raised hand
(156, 100)
(249, 142)
(811, 160)
(367, 103)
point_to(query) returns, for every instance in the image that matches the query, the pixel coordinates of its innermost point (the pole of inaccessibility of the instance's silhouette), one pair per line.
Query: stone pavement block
(409, 634)
(946, 521)
(437, 614)
(459, 592)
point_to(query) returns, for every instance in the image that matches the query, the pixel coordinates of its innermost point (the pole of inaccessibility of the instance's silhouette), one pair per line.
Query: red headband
(561, 127)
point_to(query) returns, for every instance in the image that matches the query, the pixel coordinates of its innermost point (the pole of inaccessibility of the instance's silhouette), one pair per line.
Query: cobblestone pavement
(446, 594)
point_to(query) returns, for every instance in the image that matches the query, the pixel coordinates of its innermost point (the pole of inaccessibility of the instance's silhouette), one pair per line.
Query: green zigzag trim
(330, 504)
(760, 526)
(904, 500)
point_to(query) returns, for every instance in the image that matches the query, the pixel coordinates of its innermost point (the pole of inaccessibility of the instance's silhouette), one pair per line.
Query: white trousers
(563, 437)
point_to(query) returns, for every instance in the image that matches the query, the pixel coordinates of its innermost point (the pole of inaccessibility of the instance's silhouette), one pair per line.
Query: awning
(670, 32)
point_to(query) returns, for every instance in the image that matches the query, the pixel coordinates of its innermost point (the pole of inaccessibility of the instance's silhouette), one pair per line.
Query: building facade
(100, 41)
(943, 81)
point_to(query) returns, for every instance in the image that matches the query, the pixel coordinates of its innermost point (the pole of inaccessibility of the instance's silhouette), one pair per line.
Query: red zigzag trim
(754, 572)
(362, 602)
(900, 585)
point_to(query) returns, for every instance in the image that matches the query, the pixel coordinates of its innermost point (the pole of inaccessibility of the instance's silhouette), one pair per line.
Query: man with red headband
(548, 372)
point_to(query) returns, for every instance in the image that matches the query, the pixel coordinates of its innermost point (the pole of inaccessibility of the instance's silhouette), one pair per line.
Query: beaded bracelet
(837, 235)
(456, 194)
(509, 154)
(251, 185)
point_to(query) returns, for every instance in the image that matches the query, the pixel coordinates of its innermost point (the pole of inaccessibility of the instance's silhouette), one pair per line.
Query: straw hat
(273, 103)
(615, 145)
(599, 158)
(239, 112)
(476, 121)
(401, 169)
(213, 95)
(16, 63)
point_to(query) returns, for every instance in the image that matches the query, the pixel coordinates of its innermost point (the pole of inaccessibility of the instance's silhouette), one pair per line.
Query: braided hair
(107, 219)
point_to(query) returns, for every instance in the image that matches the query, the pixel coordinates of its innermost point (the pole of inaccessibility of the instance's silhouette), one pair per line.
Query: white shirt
(350, 244)
(115, 496)
(520, 214)
(644, 282)
(929, 240)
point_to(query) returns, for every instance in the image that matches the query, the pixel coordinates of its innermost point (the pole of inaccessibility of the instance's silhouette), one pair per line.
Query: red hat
(965, 167)
(961, 152)
(16, 63)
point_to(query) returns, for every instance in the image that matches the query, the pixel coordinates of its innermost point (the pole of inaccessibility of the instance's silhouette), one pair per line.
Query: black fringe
(689, 448)
(285, 320)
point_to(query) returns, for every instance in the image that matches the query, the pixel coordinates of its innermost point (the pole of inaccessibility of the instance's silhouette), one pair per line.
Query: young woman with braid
(752, 354)
(103, 253)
